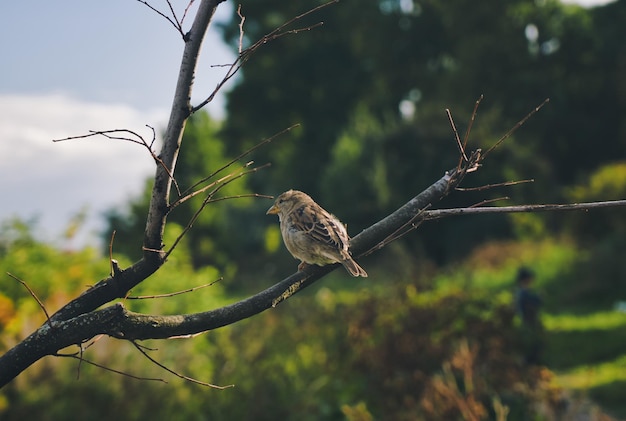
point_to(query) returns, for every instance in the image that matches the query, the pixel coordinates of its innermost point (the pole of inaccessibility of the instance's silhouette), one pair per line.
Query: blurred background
(434, 332)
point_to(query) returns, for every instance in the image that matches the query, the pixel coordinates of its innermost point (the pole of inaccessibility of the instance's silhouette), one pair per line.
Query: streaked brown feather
(312, 234)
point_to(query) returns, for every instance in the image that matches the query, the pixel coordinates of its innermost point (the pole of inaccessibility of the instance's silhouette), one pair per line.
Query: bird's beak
(272, 211)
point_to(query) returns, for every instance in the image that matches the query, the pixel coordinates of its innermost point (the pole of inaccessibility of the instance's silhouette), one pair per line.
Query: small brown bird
(311, 234)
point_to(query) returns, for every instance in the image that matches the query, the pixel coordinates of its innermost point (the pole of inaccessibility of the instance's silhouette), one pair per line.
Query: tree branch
(118, 285)
(442, 213)
(68, 326)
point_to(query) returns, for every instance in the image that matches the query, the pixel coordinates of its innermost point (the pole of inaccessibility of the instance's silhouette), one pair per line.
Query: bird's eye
(281, 200)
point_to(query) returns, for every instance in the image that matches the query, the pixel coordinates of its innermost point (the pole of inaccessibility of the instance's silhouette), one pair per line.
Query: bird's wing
(321, 226)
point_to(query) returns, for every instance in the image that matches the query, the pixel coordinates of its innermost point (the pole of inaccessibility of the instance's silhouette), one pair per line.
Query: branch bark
(73, 325)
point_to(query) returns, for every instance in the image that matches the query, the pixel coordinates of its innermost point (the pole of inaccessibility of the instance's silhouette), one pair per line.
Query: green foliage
(360, 156)
(392, 350)
(52, 272)
(56, 276)
(436, 55)
(347, 87)
(608, 182)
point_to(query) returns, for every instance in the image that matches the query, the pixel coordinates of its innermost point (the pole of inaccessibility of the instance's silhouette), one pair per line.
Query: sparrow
(311, 234)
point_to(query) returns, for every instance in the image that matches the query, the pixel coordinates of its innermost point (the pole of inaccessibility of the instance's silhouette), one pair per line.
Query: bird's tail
(353, 267)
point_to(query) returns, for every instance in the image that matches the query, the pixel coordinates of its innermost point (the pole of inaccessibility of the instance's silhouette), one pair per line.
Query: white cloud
(588, 3)
(53, 181)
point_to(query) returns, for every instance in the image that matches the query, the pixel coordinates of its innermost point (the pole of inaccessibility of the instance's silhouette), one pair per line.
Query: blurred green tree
(370, 87)
(371, 100)
(429, 55)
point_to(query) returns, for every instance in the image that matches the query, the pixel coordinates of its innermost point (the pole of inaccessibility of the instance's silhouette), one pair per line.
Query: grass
(585, 339)
(601, 320)
(588, 354)
(594, 375)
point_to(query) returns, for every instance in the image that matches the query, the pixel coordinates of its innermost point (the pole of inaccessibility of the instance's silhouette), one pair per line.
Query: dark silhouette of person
(528, 305)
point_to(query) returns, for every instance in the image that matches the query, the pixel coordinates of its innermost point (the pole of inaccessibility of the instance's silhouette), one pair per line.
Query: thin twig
(108, 368)
(487, 201)
(145, 354)
(226, 179)
(456, 135)
(426, 215)
(244, 54)
(178, 22)
(517, 126)
(491, 186)
(472, 119)
(276, 32)
(175, 23)
(241, 196)
(209, 199)
(109, 134)
(32, 293)
(172, 294)
(153, 136)
(185, 12)
(242, 155)
(145, 347)
(442, 213)
(469, 126)
(208, 186)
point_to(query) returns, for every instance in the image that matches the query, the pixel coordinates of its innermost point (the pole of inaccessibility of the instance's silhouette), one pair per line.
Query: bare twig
(491, 186)
(240, 156)
(276, 33)
(172, 294)
(108, 134)
(209, 199)
(471, 122)
(442, 213)
(469, 128)
(240, 196)
(219, 183)
(32, 293)
(112, 134)
(427, 215)
(456, 136)
(81, 359)
(153, 136)
(185, 12)
(209, 186)
(244, 54)
(175, 22)
(517, 126)
(487, 201)
(145, 354)
(178, 22)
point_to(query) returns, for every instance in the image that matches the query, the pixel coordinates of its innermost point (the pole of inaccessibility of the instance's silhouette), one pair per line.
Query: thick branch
(72, 327)
(117, 286)
(181, 109)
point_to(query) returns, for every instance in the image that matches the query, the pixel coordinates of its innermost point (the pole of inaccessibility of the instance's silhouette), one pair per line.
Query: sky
(81, 65)
(78, 65)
